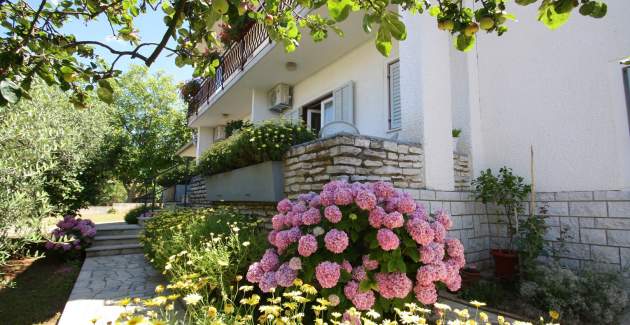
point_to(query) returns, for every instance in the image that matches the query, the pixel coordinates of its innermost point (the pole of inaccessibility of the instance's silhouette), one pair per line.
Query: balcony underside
(267, 67)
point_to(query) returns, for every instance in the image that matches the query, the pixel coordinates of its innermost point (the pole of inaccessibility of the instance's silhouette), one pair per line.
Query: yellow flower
(169, 307)
(124, 302)
(554, 314)
(159, 289)
(297, 282)
(228, 308)
(500, 320)
(308, 289)
(441, 306)
(477, 303)
(136, 320)
(158, 322)
(239, 278)
(483, 317)
(212, 312)
(94, 320)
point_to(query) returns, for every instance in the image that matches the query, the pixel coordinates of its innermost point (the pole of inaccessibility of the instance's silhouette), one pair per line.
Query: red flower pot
(470, 276)
(505, 263)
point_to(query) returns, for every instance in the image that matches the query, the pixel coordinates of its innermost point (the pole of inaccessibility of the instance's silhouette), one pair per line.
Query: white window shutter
(395, 115)
(343, 100)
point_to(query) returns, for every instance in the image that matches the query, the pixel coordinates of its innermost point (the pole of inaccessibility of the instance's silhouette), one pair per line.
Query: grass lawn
(38, 291)
(106, 218)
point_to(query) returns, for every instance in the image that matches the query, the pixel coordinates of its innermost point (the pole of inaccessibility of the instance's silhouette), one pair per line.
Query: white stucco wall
(368, 69)
(562, 92)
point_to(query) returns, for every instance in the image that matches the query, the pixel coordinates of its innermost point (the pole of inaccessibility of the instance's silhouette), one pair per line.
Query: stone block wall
(198, 196)
(354, 158)
(585, 228)
(463, 171)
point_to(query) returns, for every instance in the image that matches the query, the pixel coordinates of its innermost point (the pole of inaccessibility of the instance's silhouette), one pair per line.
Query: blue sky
(151, 28)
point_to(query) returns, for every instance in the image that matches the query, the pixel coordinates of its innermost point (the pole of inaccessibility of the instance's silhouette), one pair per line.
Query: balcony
(232, 61)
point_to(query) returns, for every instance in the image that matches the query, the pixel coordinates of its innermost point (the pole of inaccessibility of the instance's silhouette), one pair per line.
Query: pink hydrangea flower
(278, 221)
(284, 206)
(454, 247)
(420, 231)
(307, 245)
(327, 198)
(315, 202)
(271, 237)
(311, 217)
(376, 217)
(332, 213)
(255, 273)
(454, 283)
(406, 204)
(351, 318)
(427, 295)
(336, 241)
(346, 266)
(343, 196)
(443, 218)
(439, 231)
(364, 300)
(358, 273)
(383, 190)
(391, 204)
(268, 282)
(393, 220)
(427, 274)
(365, 199)
(327, 274)
(269, 261)
(420, 212)
(293, 219)
(351, 289)
(393, 285)
(298, 208)
(387, 239)
(432, 253)
(334, 186)
(285, 275)
(369, 264)
(295, 263)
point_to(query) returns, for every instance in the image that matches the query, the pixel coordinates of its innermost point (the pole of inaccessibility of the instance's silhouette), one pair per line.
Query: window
(626, 86)
(393, 77)
(312, 112)
(328, 108)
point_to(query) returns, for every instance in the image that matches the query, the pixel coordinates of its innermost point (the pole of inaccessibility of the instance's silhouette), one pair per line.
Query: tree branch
(133, 54)
(171, 28)
(33, 23)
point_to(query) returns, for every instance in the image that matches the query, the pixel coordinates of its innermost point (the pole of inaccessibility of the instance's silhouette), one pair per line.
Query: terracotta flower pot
(470, 276)
(505, 263)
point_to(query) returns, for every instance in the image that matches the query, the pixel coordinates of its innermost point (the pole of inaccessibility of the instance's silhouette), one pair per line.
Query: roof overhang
(187, 150)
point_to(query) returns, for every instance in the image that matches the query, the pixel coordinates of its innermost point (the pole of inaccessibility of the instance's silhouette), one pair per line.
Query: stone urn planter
(505, 263)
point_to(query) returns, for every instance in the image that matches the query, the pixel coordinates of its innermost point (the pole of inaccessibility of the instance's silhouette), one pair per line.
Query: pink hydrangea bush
(72, 234)
(367, 245)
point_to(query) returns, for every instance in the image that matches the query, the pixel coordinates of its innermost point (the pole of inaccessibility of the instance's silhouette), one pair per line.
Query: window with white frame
(393, 77)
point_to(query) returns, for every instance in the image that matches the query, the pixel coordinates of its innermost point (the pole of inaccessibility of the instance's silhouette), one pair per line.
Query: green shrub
(211, 246)
(586, 297)
(252, 145)
(132, 216)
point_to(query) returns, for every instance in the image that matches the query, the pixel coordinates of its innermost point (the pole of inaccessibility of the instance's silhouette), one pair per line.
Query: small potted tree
(456, 133)
(507, 192)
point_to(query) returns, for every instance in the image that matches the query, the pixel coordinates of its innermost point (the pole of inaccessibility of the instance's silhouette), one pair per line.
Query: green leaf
(434, 11)
(10, 91)
(547, 15)
(339, 9)
(367, 23)
(464, 43)
(106, 95)
(396, 27)
(384, 41)
(220, 6)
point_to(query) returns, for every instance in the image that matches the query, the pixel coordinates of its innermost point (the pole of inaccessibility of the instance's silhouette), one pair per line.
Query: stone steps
(109, 250)
(115, 239)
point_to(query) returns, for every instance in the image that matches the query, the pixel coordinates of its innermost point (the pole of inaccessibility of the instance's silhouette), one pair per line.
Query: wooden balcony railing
(232, 61)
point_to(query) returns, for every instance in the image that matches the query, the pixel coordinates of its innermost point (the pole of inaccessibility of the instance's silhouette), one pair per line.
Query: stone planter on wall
(257, 183)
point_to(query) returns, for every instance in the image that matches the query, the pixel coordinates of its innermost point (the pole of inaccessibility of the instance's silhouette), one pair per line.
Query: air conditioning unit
(280, 98)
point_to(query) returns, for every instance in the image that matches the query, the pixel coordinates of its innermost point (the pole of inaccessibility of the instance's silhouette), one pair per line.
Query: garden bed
(37, 289)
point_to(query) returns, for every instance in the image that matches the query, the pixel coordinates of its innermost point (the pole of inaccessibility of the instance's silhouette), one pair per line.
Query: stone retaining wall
(198, 196)
(586, 228)
(354, 158)
(463, 172)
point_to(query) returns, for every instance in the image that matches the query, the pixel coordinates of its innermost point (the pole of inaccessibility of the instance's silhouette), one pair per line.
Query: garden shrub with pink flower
(367, 246)
(72, 234)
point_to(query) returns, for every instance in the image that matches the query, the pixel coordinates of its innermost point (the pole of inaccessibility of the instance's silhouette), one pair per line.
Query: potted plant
(470, 275)
(508, 192)
(456, 134)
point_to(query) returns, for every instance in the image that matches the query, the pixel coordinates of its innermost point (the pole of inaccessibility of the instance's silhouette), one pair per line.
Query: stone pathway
(102, 282)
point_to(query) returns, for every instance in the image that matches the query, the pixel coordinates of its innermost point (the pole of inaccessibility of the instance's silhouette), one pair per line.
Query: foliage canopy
(36, 45)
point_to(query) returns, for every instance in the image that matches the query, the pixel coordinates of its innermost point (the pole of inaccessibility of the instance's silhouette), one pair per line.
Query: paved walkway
(103, 281)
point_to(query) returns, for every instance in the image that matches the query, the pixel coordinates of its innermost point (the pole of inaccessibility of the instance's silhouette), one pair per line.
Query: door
(314, 119)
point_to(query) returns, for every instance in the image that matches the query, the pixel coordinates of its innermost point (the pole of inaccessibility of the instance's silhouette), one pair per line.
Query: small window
(393, 76)
(626, 86)
(312, 112)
